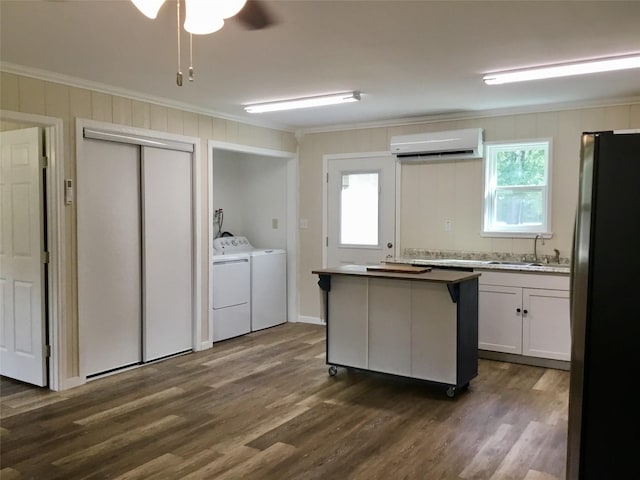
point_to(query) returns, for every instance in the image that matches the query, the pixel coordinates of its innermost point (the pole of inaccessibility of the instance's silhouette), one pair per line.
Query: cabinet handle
(518, 310)
(525, 311)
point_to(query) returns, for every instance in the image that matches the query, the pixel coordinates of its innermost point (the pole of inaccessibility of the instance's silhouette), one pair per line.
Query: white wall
(266, 186)
(228, 190)
(252, 191)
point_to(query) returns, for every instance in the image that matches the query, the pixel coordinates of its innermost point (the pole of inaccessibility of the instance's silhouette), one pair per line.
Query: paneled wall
(29, 95)
(433, 193)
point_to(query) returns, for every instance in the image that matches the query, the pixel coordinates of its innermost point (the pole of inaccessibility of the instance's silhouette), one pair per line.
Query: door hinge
(326, 241)
(44, 162)
(47, 351)
(327, 177)
(45, 257)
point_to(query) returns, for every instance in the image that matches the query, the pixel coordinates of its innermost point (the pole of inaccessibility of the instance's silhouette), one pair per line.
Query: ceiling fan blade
(255, 15)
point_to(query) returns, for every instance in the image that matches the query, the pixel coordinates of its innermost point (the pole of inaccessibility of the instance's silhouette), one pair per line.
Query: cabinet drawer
(525, 280)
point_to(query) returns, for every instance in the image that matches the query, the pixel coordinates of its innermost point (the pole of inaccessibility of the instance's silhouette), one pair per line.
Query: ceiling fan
(203, 17)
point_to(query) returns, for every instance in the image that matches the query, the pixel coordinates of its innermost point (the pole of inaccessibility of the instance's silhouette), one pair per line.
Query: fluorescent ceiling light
(319, 101)
(564, 70)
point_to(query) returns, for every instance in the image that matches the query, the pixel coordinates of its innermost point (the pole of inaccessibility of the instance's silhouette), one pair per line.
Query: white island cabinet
(524, 314)
(416, 325)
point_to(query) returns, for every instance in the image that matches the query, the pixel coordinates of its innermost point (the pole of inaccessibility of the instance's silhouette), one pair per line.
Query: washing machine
(231, 292)
(268, 280)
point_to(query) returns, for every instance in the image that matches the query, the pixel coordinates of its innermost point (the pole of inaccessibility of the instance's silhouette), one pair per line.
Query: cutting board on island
(398, 268)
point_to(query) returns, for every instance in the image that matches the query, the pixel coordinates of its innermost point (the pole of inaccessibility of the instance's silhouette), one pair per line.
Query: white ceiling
(408, 58)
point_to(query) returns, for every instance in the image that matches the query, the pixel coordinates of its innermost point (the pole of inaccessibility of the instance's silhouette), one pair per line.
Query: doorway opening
(267, 170)
(39, 218)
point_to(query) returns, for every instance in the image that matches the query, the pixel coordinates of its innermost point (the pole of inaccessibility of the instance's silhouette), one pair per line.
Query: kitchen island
(416, 324)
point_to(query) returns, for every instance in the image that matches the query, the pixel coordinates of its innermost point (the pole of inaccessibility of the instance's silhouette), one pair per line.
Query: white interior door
(361, 196)
(168, 253)
(22, 281)
(109, 256)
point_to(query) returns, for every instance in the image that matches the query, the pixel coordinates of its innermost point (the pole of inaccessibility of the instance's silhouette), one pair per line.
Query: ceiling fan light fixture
(564, 70)
(306, 102)
(149, 8)
(207, 16)
(201, 17)
(227, 8)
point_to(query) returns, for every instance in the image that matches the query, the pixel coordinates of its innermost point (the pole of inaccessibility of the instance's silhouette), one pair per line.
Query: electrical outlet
(448, 225)
(274, 223)
(304, 223)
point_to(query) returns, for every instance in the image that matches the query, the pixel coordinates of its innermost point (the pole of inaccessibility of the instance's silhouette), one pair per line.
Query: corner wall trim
(312, 320)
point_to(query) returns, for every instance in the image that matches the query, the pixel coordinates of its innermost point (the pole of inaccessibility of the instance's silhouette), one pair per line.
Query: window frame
(489, 229)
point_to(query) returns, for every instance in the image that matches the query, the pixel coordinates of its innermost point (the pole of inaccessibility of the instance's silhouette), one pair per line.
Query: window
(516, 199)
(359, 209)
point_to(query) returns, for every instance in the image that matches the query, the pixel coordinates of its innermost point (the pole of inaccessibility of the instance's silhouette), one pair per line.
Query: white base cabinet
(524, 314)
(499, 318)
(546, 331)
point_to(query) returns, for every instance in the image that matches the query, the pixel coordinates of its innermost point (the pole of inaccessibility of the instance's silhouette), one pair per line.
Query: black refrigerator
(604, 410)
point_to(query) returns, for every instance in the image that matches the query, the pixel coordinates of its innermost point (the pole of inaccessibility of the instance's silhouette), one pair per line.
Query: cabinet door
(390, 326)
(434, 334)
(347, 322)
(500, 319)
(546, 329)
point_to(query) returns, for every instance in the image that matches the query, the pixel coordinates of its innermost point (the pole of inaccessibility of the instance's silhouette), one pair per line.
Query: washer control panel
(231, 245)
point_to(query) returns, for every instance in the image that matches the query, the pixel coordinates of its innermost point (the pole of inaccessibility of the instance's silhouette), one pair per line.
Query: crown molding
(299, 133)
(133, 95)
(473, 115)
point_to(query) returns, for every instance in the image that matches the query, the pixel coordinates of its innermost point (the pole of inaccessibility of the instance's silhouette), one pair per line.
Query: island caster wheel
(333, 370)
(451, 391)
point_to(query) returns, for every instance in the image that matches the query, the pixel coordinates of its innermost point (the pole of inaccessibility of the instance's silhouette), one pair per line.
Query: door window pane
(359, 200)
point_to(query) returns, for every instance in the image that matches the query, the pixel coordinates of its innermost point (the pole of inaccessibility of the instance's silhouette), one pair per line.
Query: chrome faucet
(535, 245)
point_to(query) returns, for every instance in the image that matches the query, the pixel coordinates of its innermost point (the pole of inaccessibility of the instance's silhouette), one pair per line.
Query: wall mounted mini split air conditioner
(438, 146)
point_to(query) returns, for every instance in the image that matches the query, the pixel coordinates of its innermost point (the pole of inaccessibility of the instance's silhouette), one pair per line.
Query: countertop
(435, 275)
(562, 269)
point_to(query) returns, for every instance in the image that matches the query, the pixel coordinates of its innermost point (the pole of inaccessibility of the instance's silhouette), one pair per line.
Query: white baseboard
(71, 382)
(204, 346)
(312, 320)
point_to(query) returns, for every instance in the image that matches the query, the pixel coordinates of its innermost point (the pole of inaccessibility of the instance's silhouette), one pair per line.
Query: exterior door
(361, 197)
(22, 243)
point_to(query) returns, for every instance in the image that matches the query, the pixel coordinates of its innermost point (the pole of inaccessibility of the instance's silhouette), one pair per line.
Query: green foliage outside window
(521, 167)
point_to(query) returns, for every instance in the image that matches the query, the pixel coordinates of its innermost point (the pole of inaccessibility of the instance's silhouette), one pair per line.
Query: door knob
(389, 245)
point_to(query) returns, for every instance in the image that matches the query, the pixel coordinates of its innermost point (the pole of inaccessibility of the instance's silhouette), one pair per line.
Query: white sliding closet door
(168, 252)
(109, 256)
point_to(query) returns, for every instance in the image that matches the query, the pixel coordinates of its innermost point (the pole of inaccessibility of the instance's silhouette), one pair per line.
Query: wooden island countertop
(435, 275)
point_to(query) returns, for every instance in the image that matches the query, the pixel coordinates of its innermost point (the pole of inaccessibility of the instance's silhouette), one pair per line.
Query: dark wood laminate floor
(262, 407)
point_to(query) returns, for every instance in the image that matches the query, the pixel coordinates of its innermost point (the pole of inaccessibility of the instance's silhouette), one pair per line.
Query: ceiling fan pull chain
(191, 57)
(179, 74)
